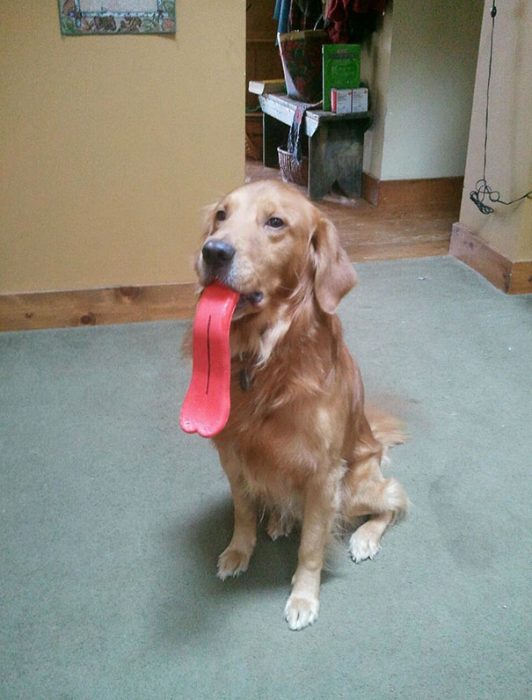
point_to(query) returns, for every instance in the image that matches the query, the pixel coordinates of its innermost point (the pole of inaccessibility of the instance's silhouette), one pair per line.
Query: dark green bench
(335, 143)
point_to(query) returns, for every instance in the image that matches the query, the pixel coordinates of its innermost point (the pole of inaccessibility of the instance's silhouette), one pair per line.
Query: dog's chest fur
(285, 413)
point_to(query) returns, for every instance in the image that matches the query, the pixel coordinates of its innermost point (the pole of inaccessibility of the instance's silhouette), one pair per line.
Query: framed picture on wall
(117, 17)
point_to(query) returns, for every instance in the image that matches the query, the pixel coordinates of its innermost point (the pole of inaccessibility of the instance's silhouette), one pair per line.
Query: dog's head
(267, 241)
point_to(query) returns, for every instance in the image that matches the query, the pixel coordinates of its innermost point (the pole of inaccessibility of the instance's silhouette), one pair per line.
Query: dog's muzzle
(218, 263)
(217, 254)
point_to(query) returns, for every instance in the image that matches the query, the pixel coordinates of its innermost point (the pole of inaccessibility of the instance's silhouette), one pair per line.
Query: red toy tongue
(207, 404)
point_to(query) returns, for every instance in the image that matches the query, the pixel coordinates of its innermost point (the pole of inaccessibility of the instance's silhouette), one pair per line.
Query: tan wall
(509, 155)
(112, 144)
(421, 71)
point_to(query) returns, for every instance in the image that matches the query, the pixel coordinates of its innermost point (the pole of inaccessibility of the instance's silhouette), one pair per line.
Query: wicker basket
(291, 170)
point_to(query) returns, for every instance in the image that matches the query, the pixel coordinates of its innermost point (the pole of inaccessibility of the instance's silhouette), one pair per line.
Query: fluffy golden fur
(298, 444)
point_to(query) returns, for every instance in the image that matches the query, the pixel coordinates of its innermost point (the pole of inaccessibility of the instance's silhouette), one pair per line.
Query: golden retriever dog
(298, 446)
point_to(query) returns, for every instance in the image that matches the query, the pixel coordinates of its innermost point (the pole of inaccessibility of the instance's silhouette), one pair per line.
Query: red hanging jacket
(340, 14)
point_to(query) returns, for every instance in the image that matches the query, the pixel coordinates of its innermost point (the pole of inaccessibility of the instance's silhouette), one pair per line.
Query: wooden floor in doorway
(371, 233)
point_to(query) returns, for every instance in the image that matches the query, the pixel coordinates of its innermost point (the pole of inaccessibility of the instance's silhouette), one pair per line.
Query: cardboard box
(347, 101)
(341, 69)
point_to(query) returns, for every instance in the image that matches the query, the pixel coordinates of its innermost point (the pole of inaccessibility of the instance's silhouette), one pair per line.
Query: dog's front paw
(362, 548)
(300, 612)
(232, 562)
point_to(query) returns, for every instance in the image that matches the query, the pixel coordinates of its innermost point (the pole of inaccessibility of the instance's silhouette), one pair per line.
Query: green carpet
(112, 519)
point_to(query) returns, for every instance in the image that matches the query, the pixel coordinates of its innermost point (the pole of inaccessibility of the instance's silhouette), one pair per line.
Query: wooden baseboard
(89, 307)
(439, 196)
(510, 277)
(370, 189)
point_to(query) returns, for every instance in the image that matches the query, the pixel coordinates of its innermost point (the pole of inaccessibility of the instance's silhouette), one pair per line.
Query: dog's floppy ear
(334, 275)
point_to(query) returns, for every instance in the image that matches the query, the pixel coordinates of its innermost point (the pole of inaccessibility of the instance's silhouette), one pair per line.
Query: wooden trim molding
(438, 196)
(89, 307)
(511, 277)
(370, 189)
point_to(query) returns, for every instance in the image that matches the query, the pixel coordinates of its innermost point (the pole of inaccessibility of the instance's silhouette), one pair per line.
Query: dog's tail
(387, 429)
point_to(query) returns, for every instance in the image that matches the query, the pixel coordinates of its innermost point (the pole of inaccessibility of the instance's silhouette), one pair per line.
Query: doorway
(410, 220)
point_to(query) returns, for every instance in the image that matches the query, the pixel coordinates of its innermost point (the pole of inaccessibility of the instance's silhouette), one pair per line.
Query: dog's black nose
(216, 253)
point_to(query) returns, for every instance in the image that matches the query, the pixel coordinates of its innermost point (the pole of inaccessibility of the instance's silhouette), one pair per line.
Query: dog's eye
(275, 222)
(220, 215)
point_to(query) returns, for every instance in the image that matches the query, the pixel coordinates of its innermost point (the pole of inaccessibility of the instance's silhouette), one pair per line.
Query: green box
(341, 69)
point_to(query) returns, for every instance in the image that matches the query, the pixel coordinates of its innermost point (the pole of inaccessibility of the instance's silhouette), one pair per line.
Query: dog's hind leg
(368, 493)
(279, 524)
(234, 560)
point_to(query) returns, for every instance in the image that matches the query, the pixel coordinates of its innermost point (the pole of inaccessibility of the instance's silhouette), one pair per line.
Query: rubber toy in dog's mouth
(207, 403)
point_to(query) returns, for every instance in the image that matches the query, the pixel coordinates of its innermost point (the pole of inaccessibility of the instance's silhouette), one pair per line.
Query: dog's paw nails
(278, 528)
(232, 562)
(274, 532)
(301, 612)
(361, 548)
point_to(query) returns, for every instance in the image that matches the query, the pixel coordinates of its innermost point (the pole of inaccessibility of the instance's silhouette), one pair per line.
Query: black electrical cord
(482, 189)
